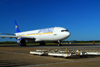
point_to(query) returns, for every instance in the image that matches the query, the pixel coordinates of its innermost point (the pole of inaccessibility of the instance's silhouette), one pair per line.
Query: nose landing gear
(59, 43)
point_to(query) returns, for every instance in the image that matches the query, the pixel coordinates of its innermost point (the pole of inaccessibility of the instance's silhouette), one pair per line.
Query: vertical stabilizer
(16, 28)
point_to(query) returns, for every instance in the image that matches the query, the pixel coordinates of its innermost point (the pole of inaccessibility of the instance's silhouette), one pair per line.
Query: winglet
(16, 28)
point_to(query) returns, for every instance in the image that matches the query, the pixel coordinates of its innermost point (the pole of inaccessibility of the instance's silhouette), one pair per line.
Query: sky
(80, 17)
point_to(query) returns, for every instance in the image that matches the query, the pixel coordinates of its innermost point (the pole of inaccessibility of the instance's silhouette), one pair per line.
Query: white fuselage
(48, 34)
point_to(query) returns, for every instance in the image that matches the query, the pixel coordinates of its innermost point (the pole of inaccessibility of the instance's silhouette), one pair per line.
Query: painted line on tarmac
(61, 59)
(58, 58)
(14, 53)
(61, 62)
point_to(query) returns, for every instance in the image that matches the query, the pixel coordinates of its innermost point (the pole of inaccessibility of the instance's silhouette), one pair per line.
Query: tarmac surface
(14, 55)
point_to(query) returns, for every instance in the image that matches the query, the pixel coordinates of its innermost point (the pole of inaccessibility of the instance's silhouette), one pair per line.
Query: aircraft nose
(68, 34)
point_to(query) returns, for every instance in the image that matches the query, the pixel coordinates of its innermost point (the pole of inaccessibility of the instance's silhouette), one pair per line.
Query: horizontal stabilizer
(3, 36)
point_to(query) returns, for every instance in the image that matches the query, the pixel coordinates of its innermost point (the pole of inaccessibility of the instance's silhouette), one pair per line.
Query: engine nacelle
(21, 42)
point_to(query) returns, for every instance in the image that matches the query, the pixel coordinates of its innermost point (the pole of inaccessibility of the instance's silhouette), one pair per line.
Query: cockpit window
(64, 30)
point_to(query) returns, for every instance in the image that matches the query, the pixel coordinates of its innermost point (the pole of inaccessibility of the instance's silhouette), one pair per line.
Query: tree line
(74, 41)
(90, 41)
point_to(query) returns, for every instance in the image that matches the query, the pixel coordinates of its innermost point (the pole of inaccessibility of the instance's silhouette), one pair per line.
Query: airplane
(55, 34)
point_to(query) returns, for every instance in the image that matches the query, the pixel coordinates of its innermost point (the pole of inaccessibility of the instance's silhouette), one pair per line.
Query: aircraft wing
(3, 36)
(7, 34)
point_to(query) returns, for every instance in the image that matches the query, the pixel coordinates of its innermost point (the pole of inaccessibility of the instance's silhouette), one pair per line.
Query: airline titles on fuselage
(46, 30)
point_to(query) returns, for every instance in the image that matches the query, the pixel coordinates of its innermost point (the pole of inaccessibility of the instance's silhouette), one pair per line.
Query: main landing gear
(42, 43)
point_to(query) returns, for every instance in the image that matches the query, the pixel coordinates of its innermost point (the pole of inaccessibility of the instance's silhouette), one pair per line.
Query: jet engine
(21, 42)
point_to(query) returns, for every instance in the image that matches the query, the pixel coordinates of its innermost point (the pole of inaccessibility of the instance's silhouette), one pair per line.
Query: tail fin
(16, 28)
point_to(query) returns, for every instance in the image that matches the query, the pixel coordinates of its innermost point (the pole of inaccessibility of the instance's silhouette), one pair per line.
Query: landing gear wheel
(42, 43)
(23, 45)
(59, 44)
